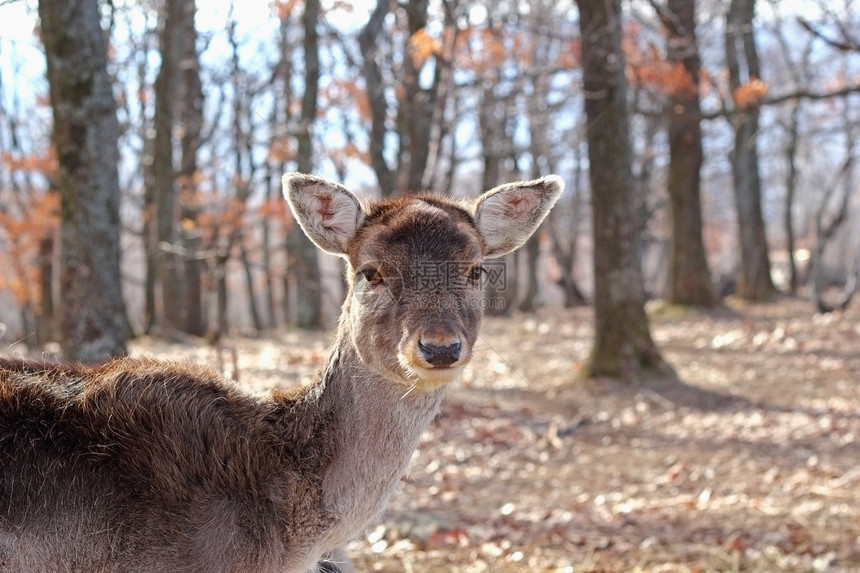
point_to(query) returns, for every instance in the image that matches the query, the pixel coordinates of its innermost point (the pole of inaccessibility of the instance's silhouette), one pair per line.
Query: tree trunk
(221, 319)
(46, 321)
(754, 280)
(190, 117)
(149, 226)
(566, 260)
(376, 96)
(85, 134)
(303, 253)
(276, 167)
(249, 285)
(563, 244)
(543, 162)
(417, 106)
(623, 346)
(502, 294)
(441, 130)
(800, 73)
(790, 192)
(827, 227)
(150, 304)
(564, 239)
(529, 302)
(689, 276)
(272, 191)
(162, 172)
(490, 122)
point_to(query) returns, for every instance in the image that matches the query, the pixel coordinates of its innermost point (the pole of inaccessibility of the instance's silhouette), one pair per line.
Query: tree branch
(774, 100)
(845, 44)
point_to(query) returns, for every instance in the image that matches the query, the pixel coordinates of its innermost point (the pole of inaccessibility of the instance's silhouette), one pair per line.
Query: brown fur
(172, 463)
(142, 466)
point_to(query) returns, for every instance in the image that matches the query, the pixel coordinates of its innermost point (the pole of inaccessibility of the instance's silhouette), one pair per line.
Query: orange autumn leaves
(22, 234)
(482, 48)
(751, 93)
(479, 48)
(650, 69)
(27, 222)
(421, 46)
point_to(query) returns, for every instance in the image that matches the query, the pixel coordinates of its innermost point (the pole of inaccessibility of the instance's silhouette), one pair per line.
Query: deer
(142, 465)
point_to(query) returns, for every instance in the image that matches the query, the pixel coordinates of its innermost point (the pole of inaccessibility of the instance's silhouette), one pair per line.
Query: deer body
(142, 466)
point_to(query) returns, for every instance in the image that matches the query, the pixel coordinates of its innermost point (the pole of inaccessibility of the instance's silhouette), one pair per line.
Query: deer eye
(372, 276)
(475, 273)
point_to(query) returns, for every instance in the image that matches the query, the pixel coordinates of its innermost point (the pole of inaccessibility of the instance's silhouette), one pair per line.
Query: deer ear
(328, 213)
(508, 215)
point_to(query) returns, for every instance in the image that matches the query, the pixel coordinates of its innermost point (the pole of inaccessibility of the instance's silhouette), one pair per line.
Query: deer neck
(377, 427)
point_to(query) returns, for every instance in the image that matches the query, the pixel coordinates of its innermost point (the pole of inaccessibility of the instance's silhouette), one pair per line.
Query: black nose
(440, 355)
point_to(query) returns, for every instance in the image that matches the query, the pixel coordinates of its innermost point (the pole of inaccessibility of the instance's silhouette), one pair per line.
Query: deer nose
(440, 356)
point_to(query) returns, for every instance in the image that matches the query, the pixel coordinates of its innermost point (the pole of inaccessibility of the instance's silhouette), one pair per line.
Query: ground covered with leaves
(749, 461)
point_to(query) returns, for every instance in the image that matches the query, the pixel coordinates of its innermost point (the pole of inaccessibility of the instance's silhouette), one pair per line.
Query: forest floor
(751, 463)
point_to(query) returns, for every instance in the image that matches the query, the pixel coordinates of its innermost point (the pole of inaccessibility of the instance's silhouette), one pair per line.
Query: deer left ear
(328, 213)
(508, 215)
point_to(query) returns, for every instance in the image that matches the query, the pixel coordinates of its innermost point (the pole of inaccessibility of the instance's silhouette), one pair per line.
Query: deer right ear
(328, 213)
(508, 215)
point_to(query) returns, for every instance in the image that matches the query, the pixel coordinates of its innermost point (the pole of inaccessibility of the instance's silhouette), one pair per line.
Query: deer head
(415, 267)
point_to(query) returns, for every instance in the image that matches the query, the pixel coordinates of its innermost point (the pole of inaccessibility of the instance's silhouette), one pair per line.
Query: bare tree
(417, 106)
(418, 110)
(190, 118)
(276, 166)
(160, 200)
(623, 346)
(754, 280)
(85, 134)
(304, 263)
(495, 111)
(540, 146)
(368, 40)
(564, 238)
(689, 276)
(799, 74)
(828, 221)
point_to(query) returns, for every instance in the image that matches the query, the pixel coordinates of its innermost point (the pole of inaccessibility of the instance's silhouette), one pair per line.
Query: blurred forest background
(738, 174)
(710, 152)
